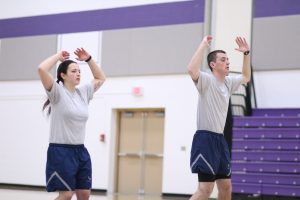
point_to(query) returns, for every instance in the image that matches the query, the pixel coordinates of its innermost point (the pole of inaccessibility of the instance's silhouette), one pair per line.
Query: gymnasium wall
(16, 9)
(172, 31)
(276, 32)
(20, 56)
(151, 50)
(275, 35)
(129, 33)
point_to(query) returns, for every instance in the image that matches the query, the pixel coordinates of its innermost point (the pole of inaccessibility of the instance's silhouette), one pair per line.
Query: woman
(68, 161)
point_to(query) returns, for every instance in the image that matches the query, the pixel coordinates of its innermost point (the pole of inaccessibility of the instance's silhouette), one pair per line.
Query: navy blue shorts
(210, 157)
(68, 168)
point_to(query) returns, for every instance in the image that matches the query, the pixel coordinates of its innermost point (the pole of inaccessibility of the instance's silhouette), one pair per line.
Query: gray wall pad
(150, 51)
(275, 43)
(20, 57)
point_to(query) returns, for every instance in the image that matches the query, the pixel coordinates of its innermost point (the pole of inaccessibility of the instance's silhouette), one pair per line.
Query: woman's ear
(63, 76)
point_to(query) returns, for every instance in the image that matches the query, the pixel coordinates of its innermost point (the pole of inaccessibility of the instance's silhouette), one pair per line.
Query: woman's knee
(65, 195)
(83, 194)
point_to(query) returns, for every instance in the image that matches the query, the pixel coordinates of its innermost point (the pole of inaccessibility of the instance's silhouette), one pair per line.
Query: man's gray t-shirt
(213, 100)
(69, 113)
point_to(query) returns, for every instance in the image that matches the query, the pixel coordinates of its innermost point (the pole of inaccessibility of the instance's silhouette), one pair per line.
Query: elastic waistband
(210, 132)
(66, 145)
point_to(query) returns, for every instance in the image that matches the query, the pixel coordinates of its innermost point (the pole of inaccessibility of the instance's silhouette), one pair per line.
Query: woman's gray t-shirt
(69, 113)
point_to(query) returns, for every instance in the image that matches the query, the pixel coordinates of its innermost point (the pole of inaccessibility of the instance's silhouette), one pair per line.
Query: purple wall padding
(105, 19)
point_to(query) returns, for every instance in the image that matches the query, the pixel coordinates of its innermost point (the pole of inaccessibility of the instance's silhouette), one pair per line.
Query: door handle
(129, 154)
(159, 155)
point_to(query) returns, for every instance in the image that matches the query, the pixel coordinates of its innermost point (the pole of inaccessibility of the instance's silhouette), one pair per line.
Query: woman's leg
(64, 196)
(83, 194)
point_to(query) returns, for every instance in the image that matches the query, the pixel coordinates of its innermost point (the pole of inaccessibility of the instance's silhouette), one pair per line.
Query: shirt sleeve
(235, 82)
(203, 82)
(53, 94)
(87, 92)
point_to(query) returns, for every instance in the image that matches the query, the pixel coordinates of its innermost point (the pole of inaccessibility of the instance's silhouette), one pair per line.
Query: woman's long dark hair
(62, 68)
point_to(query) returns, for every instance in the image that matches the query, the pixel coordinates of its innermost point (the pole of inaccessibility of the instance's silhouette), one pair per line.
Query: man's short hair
(212, 56)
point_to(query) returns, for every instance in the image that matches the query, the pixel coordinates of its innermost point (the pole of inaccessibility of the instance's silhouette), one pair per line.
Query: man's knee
(224, 186)
(206, 188)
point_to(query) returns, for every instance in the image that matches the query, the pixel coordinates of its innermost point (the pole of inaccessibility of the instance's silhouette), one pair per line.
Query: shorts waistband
(66, 145)
(210, 132)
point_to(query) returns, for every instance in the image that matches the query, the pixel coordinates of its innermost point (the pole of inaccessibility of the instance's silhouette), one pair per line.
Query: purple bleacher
(267, 133)
(268, 189)
(269, 167)
(255, 121)
(267, 144)
(276, 112)
(281, 190)
(279, 179)
(246, 188)
(263, 155)
(266, 153)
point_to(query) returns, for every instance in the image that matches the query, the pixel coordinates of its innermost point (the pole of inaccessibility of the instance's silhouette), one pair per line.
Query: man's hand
(207, 40)
(242, 43)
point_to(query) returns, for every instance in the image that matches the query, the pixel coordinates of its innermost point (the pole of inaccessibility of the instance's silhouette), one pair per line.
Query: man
(210, 157)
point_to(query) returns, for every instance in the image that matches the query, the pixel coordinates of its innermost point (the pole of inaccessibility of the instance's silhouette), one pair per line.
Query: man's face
(221, 65)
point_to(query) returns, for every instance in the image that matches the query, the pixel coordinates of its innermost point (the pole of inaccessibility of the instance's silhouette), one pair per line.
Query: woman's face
(73, 74)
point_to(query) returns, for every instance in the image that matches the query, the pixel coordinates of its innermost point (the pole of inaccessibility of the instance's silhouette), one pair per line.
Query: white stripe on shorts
(206, 162)
(60, 178)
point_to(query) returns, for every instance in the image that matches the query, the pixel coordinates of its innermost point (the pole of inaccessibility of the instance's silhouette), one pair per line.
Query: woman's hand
(82, 55)
(63, 55)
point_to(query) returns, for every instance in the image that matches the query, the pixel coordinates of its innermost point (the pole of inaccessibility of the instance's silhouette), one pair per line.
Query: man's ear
(212, 64)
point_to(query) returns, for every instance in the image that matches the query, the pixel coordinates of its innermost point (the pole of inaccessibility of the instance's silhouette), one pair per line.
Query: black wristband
(87, 60)
(246, 52)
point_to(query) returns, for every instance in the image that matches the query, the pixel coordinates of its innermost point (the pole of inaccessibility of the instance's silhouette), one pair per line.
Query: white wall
(178, 96)
(231, 18)
(277, 89)
(16, 8)
(24, 130)
(24, 133)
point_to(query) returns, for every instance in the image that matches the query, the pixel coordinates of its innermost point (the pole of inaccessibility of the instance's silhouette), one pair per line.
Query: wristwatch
(246, 52)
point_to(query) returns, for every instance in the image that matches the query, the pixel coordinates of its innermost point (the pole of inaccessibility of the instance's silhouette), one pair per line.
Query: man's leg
(203, 191)
(224, 188)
